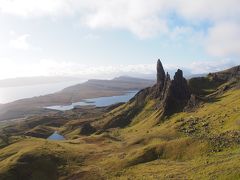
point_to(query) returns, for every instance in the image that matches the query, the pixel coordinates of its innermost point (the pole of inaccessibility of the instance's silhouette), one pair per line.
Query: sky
(107, 38)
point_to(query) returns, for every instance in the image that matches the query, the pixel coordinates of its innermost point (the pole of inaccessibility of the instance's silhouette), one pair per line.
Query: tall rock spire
(161, 77)
(176, 95)
(160, 73)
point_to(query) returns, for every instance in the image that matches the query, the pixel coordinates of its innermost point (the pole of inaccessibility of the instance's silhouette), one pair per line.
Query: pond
(55, 136)
(98, 102)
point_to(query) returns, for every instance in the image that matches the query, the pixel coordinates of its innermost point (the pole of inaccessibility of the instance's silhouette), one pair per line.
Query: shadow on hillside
(214, 99)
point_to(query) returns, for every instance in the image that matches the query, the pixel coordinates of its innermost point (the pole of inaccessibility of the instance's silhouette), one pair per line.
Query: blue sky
(102, 38)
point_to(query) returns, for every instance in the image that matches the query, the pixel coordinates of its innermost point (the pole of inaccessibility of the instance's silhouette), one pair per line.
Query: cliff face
(173, 94)
(178, 94)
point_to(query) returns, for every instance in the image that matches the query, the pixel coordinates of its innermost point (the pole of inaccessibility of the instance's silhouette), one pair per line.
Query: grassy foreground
(202, 144)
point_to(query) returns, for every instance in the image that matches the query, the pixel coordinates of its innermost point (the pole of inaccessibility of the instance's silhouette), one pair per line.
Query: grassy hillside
(133, 141)
(202, 144)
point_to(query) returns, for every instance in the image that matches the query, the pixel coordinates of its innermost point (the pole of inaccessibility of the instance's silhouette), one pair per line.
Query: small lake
(55, 136)
(98, 102)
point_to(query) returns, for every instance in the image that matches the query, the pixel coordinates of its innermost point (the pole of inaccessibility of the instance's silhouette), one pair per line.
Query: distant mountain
(132, 79)
(122, 83)
(90, 89)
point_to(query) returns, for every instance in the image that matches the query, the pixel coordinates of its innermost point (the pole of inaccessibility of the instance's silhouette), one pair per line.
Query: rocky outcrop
(226, 75)
(161, 77)
(180, 87)
(215, 83)
(193, 103)
(87, 129)
(172, 95)
(175, 94)
(160, 74)
(141, 97)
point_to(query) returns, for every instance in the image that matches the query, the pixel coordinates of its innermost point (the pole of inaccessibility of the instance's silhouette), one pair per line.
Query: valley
(76, 93)
(173, 129)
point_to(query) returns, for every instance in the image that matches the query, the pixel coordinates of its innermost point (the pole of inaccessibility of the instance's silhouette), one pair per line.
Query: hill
(176, 129)
(89, 89)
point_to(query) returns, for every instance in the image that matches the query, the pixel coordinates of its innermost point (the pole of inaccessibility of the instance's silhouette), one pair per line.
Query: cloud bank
(48, 67)
(145, 19)
(20, 42)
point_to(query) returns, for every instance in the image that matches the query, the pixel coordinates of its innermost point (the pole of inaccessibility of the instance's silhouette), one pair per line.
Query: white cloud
(20, 42)
(224, 39)
(137, 16)
(28, 8)
(200, 67)
(48, 67)
(213, 10)
(145, 18)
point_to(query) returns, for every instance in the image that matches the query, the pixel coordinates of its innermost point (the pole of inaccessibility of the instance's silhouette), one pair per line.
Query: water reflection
(55, 136)
(99, 102)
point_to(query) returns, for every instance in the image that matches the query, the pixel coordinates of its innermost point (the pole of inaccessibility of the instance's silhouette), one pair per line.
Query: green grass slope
(203, 143)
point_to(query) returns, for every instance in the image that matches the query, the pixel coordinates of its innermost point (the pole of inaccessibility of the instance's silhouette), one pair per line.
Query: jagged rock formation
(173, 94)
(170, 95)
(160, 75)
(177, 94)
(180, 87)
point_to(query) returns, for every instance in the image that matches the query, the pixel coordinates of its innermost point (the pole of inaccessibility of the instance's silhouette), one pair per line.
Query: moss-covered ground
(201, 144)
